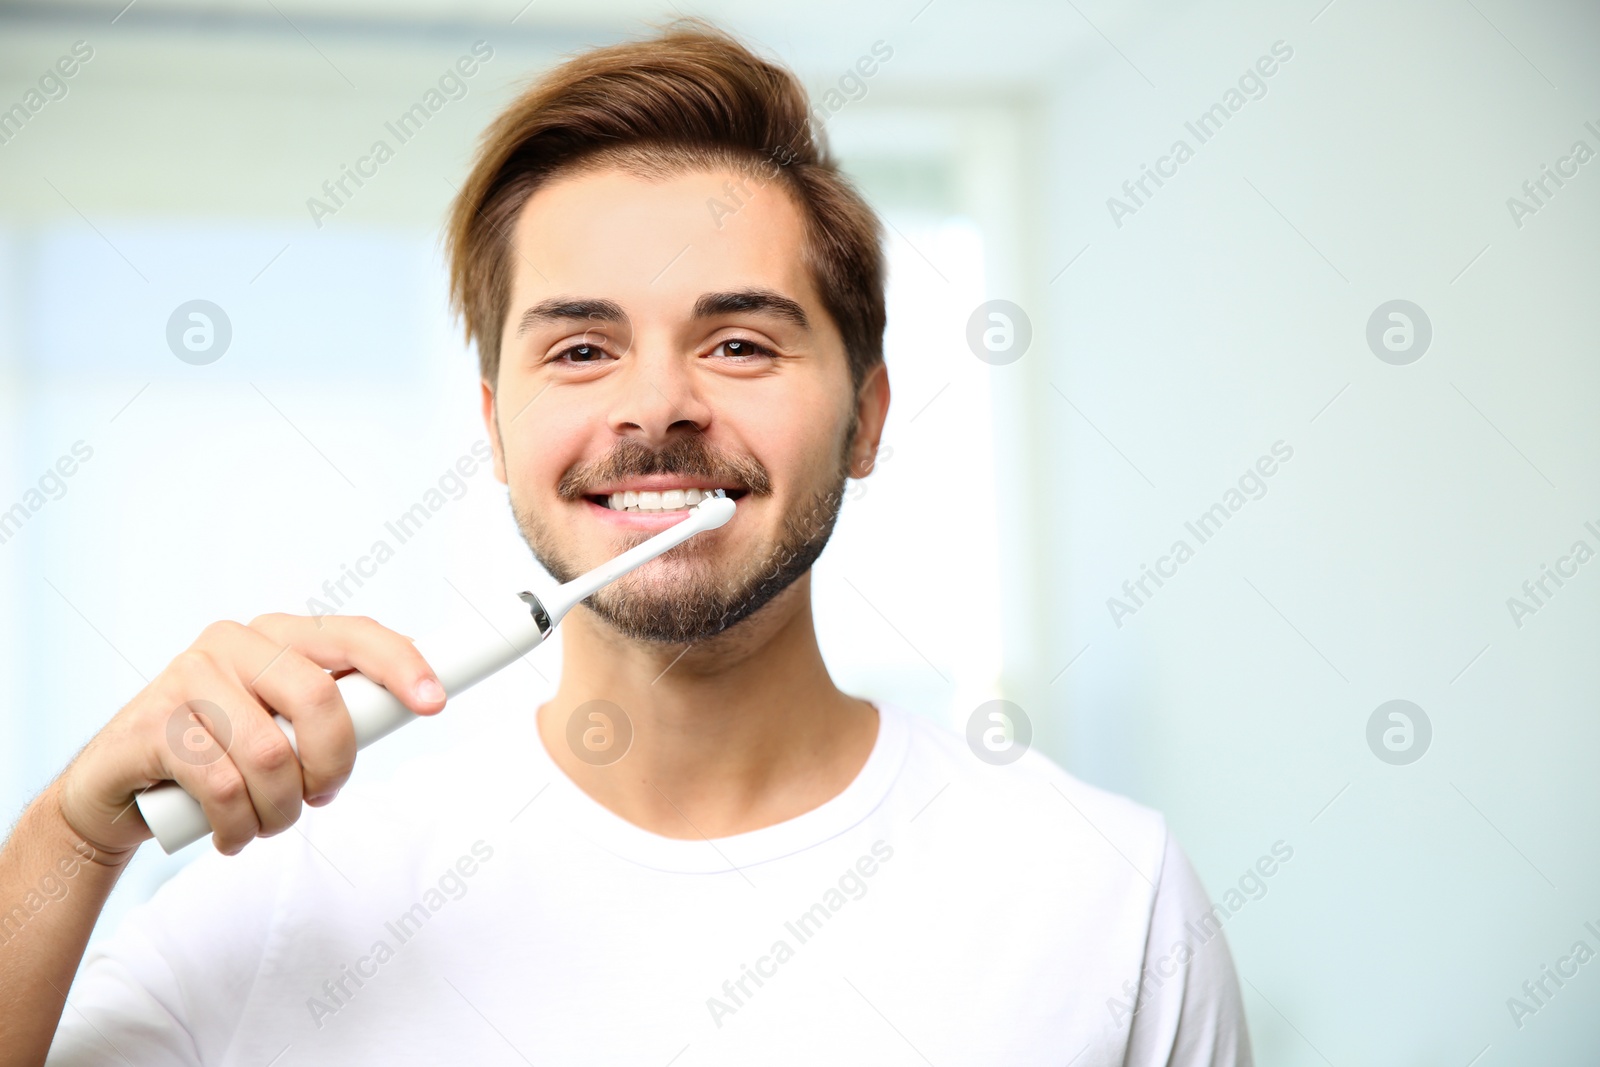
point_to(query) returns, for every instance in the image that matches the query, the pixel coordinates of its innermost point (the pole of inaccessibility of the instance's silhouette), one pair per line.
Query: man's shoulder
(1030, 798)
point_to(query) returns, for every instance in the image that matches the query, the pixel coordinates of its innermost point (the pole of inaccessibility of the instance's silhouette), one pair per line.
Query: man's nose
(657, 398)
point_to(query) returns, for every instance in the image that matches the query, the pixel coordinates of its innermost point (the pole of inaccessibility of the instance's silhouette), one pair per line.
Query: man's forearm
(53, 885)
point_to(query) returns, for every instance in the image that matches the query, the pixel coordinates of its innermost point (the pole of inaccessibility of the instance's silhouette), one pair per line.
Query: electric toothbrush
(177, 819)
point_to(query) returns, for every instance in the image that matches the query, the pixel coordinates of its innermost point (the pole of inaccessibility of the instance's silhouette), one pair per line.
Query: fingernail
(321, 798)
(430, 690)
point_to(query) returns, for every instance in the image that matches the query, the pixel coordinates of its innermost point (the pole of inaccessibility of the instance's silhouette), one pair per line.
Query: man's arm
(206, 723)
(53, 885)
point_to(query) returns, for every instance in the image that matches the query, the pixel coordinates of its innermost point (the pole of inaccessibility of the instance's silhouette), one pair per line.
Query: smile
(647, 500)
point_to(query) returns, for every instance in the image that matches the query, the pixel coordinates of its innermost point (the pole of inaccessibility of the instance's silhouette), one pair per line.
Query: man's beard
(704, 603)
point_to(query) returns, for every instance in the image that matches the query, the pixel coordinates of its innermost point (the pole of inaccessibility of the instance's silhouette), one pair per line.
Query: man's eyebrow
(560, 310)
(712, 304)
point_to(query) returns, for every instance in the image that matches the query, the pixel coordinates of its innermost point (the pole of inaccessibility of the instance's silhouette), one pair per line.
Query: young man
(699, 850)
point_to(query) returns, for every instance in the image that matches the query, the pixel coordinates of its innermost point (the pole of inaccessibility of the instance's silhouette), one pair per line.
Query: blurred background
(1245, 379)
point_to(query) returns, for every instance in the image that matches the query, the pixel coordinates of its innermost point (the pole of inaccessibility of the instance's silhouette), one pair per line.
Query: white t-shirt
(485, 910)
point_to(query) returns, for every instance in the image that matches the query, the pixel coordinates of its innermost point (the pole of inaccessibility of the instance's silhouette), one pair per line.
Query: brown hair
(690, 97)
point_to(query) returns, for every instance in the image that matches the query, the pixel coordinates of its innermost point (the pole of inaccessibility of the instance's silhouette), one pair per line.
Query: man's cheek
(537, 456)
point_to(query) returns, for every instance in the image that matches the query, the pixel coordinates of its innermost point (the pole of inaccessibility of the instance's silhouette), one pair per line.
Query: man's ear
(872, 410)
(491, 423)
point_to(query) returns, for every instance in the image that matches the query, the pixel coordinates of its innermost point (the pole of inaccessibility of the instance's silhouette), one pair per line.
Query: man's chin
(680, 597)
(678, 615)
(684, 597)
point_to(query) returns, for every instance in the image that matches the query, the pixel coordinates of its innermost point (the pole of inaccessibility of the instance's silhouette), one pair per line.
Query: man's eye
(742, 350)
(581, 354)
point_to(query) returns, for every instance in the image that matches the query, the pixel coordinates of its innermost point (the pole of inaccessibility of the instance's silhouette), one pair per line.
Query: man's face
(657, 345)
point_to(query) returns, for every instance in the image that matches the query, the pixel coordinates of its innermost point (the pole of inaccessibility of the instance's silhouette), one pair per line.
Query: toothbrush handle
(177, 819)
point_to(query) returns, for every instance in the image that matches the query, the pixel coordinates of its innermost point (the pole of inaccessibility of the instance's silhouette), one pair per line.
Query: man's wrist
(61, 837)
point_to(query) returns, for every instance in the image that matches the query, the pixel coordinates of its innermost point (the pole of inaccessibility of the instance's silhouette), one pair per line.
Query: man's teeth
(663, 500)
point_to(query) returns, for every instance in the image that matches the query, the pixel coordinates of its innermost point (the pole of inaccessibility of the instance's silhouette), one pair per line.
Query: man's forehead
(609, 233)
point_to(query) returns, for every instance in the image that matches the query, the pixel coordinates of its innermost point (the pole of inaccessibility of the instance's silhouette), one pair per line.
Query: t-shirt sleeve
(166, 988)
(1188, 1012)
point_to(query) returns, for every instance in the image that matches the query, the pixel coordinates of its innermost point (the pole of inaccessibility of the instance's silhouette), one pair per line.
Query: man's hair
(691, 97)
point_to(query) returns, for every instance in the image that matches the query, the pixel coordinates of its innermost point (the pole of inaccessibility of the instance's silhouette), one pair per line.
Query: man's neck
(730, 735)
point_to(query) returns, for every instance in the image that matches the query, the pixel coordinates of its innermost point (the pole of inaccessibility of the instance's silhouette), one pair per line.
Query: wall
(1228, 311)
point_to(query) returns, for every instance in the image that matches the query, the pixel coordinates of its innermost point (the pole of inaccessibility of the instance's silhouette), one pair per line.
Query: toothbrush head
(714, 511)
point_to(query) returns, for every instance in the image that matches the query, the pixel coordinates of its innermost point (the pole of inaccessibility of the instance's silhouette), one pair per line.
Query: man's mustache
(687, 456)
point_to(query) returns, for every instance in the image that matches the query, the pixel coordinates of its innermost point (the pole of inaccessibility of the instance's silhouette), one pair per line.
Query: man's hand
(206, 723)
